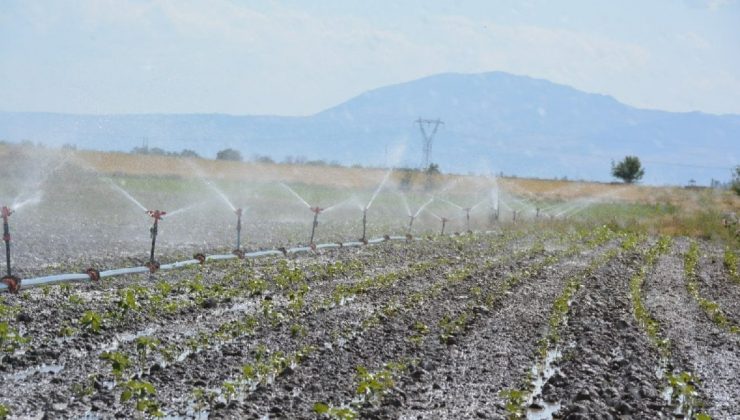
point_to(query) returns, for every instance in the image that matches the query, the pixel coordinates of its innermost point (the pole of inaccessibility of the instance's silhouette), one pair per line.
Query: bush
(735, 184)
(229, 154)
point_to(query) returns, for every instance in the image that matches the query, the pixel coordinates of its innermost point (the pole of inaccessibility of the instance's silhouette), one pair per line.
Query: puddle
(127, 337)
(44, 368)
(537, 407)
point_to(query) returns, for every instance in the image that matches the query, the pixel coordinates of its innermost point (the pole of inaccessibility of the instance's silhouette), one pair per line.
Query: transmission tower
(426, 145)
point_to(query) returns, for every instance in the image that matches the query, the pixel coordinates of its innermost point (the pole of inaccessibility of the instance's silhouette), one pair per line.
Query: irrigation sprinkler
(467, 217)
(444, 223)
(157, 215)
(363, 239)
(411, 223)
(537, 215)
(513, 216)
(316, 211)
(13, 282)
(238, 213)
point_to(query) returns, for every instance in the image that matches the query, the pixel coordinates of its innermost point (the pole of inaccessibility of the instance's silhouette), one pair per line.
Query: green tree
(628, 170)
(735, 183)
(229, 154)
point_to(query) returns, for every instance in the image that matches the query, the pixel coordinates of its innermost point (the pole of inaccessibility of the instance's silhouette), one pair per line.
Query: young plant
(143, 393)
(119, 362)
(92, 321)
(338, 413)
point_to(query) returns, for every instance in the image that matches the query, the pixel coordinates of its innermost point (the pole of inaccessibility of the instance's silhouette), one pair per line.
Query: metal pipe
(444, 223)
(467, 217)
(238, 228)
(411, 223)
(364, 224)
(74, 277)
(156, 215)
(6, 212)
(316, 211)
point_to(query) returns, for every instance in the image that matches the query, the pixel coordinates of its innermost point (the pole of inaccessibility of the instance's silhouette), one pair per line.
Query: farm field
(569, 303)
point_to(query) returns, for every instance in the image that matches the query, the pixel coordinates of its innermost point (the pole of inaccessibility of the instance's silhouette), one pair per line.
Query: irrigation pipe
(81, 277)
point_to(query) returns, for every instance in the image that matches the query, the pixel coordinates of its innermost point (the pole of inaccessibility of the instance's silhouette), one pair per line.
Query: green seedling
(92, 321)
(338, 413)
(119, 362)
(4, 412)
(143, 393)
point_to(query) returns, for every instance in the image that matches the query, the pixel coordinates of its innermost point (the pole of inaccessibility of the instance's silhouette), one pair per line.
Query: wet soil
(441, 326)
(698, 345)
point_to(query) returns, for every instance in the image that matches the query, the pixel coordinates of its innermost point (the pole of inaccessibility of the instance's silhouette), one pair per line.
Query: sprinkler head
(93, 274)
(317, 210)
(6, 212)
(13, 282)
(239, 253)
(200, 257)
(238, 212)
(153, 266)
(156, 214)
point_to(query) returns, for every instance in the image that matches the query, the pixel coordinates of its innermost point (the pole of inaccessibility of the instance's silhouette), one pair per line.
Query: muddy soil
(607, 365)
(440, 327)
(698, 345)
(715, 283)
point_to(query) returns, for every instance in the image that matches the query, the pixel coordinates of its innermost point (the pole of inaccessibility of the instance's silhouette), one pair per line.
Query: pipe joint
(13, 283)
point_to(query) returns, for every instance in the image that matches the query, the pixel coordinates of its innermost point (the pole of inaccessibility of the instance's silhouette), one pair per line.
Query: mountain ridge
(494, 122)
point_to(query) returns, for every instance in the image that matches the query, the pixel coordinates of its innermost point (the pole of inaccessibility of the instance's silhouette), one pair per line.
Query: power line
(426, 146)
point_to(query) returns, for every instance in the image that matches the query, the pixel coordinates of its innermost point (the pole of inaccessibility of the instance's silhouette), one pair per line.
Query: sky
(294, 57)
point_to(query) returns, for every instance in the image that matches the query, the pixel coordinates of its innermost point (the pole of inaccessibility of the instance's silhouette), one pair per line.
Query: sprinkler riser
(153, 232)
(364, 224)
(238, 229)
(313, 226)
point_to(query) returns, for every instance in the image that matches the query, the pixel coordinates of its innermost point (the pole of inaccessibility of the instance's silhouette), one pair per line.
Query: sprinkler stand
(514, 216)
(363, 239)
(153, 265)
(411, 223)
(316, 211)
(13, 282)
(538, 213)
(238, 229)
(444, 223)
(467, 217)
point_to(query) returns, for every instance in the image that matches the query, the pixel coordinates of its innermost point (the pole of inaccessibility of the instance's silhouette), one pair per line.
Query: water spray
(13, 282)
(157, 215)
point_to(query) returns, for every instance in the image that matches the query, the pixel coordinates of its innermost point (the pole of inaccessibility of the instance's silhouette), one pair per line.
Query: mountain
(494, 122)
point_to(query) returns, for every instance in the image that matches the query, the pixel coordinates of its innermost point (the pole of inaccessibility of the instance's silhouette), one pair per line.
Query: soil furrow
(697, 343)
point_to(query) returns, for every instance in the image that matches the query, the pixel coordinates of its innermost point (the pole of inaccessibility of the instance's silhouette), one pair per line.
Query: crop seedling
(730, 262)
(92, 321)
(119, 362)
(515, 400)
(338, 413)
(143, 393)
(4, 412)
(144, 345)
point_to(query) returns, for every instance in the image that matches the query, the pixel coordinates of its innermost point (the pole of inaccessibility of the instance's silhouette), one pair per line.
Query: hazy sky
(295, 57)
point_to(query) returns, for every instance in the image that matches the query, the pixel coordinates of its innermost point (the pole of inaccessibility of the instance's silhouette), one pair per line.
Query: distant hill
(494, 122)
